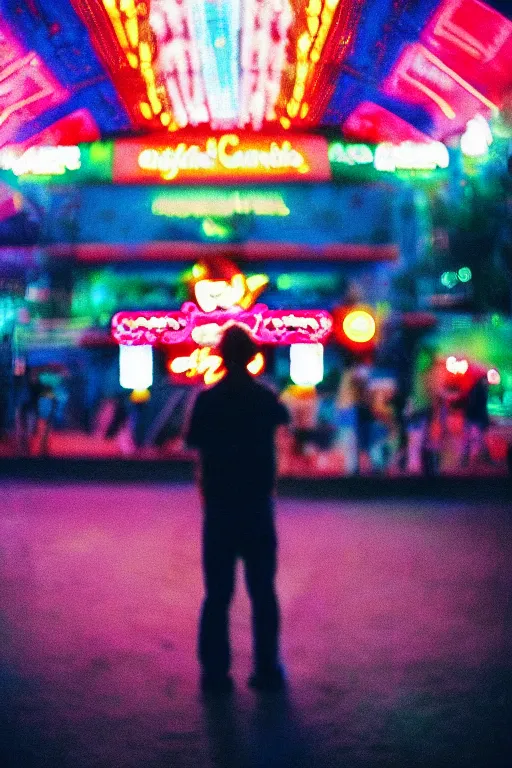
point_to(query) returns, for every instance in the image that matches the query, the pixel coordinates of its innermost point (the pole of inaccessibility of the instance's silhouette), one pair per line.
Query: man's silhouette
(233, 425)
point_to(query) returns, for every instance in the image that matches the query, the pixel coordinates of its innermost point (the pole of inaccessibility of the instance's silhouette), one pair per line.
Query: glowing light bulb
(359, 326)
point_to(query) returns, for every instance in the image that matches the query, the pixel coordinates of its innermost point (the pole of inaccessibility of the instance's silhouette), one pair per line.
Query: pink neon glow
(76, 128)
(179, 60)
(26, 87)
(263, 58)
(422, 78)
(372, 123)
(277, 327)
(475, 41)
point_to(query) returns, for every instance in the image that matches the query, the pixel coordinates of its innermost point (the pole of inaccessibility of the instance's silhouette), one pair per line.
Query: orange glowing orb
(359, 326)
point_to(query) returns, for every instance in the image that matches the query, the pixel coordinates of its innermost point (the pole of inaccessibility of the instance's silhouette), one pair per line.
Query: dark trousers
(248, 532)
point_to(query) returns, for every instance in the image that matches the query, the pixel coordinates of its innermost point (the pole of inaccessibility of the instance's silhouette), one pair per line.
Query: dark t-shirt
(233, 426)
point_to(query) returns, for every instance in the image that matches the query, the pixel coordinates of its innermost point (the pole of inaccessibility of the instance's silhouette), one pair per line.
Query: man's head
(237, 348)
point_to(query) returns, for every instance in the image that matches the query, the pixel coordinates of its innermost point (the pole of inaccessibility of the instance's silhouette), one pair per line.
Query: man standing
(233, 426)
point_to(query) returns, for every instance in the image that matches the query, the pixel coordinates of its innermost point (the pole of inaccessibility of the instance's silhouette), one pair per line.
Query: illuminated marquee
(223, 297)
(273, 327)
(217, 158)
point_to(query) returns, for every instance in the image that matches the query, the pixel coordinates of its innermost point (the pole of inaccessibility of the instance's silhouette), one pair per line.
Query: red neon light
(79, 127)
(221, 157)
(26, 87)
(373, 124)
(422, 78)
(475, 41)
(275, 327)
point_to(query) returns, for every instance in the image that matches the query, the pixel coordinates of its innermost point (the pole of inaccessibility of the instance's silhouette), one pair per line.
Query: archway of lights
(72, 70)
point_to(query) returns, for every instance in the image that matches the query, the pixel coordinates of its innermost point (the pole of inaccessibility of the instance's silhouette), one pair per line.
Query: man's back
(233, 426)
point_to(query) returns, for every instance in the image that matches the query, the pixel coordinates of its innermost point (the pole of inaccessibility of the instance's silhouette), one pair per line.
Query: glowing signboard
(266, 326)
(186, 204)
(224, 297)
(388, 157)
(472, 38)
(422, 78)
(218, 158)
(41, 161)
(27, 88)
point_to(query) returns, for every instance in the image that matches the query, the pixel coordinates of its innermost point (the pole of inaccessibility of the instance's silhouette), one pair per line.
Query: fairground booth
(333, 176)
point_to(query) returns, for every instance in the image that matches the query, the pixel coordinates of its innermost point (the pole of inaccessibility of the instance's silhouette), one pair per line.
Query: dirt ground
(396, 634)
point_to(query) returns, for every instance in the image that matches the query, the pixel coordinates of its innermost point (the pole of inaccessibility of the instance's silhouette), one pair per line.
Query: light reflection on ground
(395, 631)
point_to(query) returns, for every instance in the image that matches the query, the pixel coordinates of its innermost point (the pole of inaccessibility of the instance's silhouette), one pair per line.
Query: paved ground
(396, 633)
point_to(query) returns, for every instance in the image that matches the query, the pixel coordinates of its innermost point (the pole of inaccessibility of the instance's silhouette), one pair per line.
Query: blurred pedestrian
(233, 426)
(476, 422)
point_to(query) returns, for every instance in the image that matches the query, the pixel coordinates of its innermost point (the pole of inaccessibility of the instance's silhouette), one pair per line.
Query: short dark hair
(237, 347)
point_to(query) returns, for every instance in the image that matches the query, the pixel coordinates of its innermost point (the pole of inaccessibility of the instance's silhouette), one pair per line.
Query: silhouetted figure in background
(233, 425)
(476, 422)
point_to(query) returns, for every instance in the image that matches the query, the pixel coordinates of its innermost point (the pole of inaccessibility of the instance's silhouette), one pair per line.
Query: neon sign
(203, 361)
(388, 157)
(350, 154)
(41, 161)
(472, 28)
(169, 162)
(411, 156)
(189, 204)
(129, 21)
(217, 158)
(27, 87)
(274, 327)
(223, 297)
(423, 78)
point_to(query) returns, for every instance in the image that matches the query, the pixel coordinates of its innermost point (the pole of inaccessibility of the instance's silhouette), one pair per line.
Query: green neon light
(406, 157)
(61, 165)
(217, 203)
(214, 229)
(350, 154)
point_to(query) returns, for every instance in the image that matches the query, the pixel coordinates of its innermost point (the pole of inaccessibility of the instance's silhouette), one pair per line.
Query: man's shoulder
(263, 391)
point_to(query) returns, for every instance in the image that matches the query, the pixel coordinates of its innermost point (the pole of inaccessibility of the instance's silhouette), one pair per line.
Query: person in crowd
(29, 390)
(355, 418)
(421, 410)
(233, 426)
(476, 422)
(363, 423)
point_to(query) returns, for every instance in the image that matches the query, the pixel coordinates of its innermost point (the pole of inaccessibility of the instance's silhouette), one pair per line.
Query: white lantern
(306, 364)
(136, 366)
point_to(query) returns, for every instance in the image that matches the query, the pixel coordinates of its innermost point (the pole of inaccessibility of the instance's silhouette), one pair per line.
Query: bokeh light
(359, 326)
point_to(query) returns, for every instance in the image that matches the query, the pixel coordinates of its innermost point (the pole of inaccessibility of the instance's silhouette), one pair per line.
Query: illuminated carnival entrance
(197, 329)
